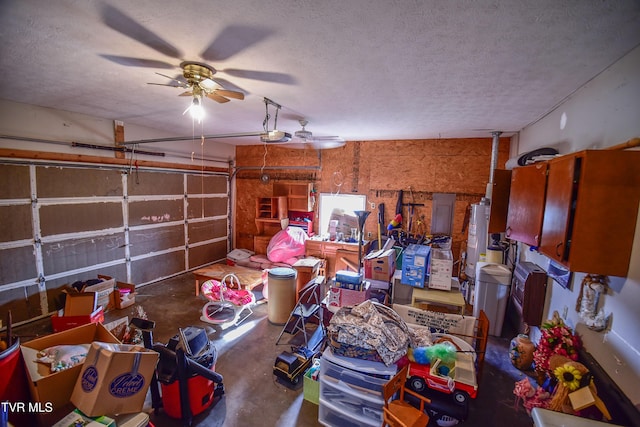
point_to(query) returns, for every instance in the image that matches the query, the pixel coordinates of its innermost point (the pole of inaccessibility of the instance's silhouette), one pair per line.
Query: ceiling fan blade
(326, 144)
(163, 84)
(177, 79)
(229, 93)
(267, 76)
(137, 62)
(187, 93)
(117, 20)
(217, 98)
(233, 39)
(229, 86)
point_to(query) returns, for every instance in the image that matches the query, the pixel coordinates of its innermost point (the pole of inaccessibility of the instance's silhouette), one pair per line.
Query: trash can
(492, 293)
(14, 385)
(282, 294)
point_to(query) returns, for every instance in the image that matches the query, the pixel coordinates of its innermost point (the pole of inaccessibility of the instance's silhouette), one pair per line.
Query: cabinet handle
(508, 233)
(558, 247)
(536, 238)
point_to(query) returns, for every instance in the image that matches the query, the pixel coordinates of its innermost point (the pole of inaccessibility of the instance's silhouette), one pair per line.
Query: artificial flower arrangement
(556, 339)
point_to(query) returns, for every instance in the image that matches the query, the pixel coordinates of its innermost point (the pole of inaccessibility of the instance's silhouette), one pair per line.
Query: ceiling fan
(197, 79)
(305, 139)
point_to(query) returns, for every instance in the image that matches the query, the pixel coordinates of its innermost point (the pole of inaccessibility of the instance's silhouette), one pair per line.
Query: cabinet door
(499, 200)
(561, 187)
(526, 203)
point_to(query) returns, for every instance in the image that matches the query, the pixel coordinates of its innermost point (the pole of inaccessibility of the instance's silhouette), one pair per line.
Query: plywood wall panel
(16, 223)
(205, 254)
(164, 265)
(146, 183)
(17, 264)
(73, 218)
(53, 182)
(80, 253)
(379, 169)
(207, 230)
(155, 211)
(15, 182)
(155, 239)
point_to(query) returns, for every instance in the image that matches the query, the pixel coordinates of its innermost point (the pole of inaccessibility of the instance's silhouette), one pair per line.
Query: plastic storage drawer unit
(351, 390)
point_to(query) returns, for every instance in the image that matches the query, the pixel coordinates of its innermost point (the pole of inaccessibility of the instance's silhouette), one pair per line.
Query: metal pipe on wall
(494, 161)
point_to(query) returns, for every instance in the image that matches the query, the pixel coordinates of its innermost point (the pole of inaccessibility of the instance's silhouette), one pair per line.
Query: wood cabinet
(527, 203)
(271, 208)
(499, 200)
(298, 195)
(269, 212)
(591, 208)
(338, 255)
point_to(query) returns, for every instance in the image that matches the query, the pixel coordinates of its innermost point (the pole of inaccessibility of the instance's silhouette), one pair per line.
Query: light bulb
(196, 110)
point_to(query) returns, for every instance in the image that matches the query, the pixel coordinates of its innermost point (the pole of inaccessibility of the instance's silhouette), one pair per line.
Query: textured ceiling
(361, 69)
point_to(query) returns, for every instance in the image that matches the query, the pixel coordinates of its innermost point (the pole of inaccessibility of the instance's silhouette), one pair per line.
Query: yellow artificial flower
(569, 376)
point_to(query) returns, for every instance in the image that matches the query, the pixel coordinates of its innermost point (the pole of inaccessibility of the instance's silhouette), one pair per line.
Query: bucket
(282, 294)
(14, 385)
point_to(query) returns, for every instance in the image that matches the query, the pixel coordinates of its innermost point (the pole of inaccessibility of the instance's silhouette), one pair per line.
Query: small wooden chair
(399, 413)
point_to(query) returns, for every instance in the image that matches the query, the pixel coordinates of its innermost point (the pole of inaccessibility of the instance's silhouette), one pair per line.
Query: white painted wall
(28, 121)
(603, 113)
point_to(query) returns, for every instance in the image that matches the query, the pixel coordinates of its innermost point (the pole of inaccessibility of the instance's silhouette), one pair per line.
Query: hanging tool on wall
(380, 222)
(411, 208)
(397, 220)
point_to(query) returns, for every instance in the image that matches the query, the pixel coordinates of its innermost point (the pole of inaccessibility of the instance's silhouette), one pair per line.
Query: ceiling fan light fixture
(195, 109)
(208, 85)
(275, 136)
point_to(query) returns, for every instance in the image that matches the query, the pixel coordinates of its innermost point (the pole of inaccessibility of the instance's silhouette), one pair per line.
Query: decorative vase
(521, 352)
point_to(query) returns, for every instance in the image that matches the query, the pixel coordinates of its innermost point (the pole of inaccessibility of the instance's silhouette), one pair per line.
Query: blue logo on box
(89, 379)
(126, 385)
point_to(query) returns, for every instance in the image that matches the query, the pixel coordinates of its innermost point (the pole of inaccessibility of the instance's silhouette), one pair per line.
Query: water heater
(478, 233)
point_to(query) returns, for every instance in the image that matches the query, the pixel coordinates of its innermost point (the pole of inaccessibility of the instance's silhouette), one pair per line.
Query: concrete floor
(246, 354)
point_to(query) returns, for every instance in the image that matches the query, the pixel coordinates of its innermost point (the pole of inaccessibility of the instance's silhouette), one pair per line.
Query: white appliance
(493, 282)
(478, 234)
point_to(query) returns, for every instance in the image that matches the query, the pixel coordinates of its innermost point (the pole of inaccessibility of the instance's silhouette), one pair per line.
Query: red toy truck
(460, 381)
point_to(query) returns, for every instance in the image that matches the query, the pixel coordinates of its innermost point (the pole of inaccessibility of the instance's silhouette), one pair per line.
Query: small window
(347, 202)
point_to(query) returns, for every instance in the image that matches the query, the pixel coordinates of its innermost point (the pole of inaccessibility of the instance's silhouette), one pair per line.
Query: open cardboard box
(53, 390)
(80, 308)
(64, 322)
(380, 265)
(115, 379)
(122, 299)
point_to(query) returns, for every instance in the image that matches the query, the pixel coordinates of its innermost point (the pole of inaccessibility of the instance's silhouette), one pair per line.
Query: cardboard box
(64, 322)
(53, 390)
(415, 264)
(80, 303)
(122, 299)
(339, 297)
(127, 298)
(379, 284)
(105, 291)
(380, 265)
(114, 379)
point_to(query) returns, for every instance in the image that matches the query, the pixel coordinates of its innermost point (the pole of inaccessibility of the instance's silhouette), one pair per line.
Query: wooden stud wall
(378, 169)
(67, 223)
